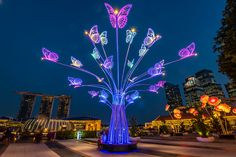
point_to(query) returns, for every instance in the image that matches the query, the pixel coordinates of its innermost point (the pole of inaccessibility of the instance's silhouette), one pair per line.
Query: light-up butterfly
(153, 89)
(93, 93)
(103, 38)
(133, 79)
(130, 64)
(76, 82)
(160, 84)
(108, 63)
(142, 50)
(130, 36)
(129, 99)
(95, 54)
(48, 55)
(94, 35)
(151, 38)
(118, 18)
(135, 95)
(188, 51)
(103, 94)
(154, 72)
(100, 79)
(76, 62)
(159, 65)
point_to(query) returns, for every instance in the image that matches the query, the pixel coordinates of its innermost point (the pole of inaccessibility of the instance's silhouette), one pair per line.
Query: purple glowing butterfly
(76, 82)
(108, 63)
(118, 18)
(154, 72)
(94, 35)
(93, 93)
(159, 65)
(153, 88)
(151, 38)
(188, 51)
(160, 84)
(48, 55)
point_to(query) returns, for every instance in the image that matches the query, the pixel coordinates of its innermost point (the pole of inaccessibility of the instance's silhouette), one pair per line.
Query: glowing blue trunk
(118, 130)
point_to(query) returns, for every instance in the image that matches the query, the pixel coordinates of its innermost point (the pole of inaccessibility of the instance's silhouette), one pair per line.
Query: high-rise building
(173, 95)
(63, 106)
(231, 89)
(208, 83)
(192, 91)
(46, 106)
(26, 106)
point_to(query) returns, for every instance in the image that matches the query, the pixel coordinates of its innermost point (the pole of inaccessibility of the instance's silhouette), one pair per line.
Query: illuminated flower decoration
(76, 62)
(214, 101)
(95, 54)
(76, 82)
(108, 63)
(103, 38)
(167, 107)
(223, 107)
(188, 51)
(142, 51)
(234, 110)
(130, 64)
(93, 93)
(191, 110)
(204, 116)
(130, 34)
(177, 113)
(118, 18)
(94, 35)
(151, 38)
(216, 114)
(204, 99)
(48, 55)
(154, 72)
(203, 105)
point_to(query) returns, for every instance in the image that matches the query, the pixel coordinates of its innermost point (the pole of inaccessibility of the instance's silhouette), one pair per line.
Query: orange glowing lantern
(177, 113)
(204, 99)
(234, 110)
(214, 101)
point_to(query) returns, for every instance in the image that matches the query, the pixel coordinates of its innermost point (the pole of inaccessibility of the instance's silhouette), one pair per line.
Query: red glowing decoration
(234, 110)
(204, 99)
(214, 101)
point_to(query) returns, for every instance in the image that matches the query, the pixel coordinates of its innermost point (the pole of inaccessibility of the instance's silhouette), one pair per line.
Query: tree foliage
(225, 41)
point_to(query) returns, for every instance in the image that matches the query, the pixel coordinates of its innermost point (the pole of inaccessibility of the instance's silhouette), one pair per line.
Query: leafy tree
(225, 41)
(134, 127)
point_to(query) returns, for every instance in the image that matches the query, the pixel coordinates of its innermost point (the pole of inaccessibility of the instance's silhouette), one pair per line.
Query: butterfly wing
(160, 65)
(45, 52)
(94, 35)
(149, 38)
(183, 53)
(76, 62)
(103, 38)
(111, 14)
(122, 15)
(152, 88)
(95, 54)
(130, 64)
(128, 36)
(191, 48)
(142, 50)
(108, 63)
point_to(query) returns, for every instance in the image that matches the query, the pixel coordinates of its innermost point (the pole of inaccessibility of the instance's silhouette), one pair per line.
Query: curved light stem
(126, 57)
(117, 55)
(97, 86)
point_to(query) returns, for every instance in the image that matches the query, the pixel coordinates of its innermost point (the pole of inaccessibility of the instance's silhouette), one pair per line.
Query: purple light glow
(76, 82)
(154, 72)
(151, 38)
(108, 63)
(48, 55)
(160, 84)
(119, 18)
(188, 51)
(93, 93)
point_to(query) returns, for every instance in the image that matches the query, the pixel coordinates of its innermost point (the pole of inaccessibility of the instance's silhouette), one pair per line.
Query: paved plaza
(147, 148)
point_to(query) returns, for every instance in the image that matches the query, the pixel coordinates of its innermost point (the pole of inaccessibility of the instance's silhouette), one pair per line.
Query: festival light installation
(118, 93)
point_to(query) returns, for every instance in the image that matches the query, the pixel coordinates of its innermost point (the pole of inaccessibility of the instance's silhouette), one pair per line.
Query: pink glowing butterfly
(160, 84)
(188, 51)
(94, 35)
(151, 38)
(93, 93)
(159, 65)
(108, 63)
(76, 82)
(48, 55)
(153, 88)
(154, 72)
(118, 18)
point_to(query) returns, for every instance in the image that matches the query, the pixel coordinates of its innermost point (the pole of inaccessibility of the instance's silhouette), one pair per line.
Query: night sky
(28, 25)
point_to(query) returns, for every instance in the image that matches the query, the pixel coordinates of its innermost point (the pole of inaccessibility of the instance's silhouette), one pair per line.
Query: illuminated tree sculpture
(119, 93)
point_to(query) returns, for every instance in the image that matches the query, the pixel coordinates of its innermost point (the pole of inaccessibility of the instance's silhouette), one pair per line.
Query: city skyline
(72, 29)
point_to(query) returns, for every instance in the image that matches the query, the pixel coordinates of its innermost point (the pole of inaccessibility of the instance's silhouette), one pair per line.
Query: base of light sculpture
(118, 147)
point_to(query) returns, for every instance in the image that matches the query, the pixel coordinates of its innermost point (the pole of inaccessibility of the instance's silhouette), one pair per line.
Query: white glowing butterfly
(151, 38)
(95, 54)
(103, 38)
(130, 64)
(76, 62)
(94, 35)
(130, 36)
(142, 50)
(133, 79)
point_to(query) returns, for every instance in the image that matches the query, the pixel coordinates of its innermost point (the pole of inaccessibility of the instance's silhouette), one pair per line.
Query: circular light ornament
(214, 101)
(234, 110)
(204, 99)
(177, 113)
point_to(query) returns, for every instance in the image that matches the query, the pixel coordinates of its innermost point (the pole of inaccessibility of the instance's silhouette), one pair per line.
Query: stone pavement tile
(91, 150)
(28, 150)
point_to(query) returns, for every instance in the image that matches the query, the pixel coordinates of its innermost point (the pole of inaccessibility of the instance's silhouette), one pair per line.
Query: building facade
(231, 89)
(26, 106)
(173, 95)
(46, 106)
(63, 106)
